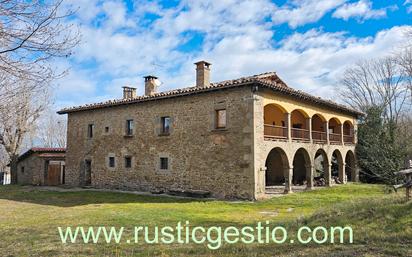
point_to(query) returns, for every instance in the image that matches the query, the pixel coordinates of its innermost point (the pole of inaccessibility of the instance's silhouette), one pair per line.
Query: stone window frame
(90, 130)
(159, 125)
(169, 162)
(217, 107)
(108, 131)
(126, 128)
(125, 162)
(111, 155)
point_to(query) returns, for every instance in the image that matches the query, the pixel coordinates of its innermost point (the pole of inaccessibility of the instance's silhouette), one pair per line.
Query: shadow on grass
(36, 195)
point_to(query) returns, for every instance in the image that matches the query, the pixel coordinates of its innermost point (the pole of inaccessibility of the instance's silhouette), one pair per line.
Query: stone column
(342, 174)
(327, 132)
(341, 134)
(288, 180)
(328, 174)
(310, 171)
(289, 126)
(309, 120)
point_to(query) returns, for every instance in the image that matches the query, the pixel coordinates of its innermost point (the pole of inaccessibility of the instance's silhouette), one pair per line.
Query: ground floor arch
(337, 167)
(350, 166)
(302, 168)
(321, 169)
(277, 167)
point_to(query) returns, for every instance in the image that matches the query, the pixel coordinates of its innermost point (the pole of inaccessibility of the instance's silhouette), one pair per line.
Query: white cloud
(361, 10)
(299, 13)
(238, 40)
(408, 4)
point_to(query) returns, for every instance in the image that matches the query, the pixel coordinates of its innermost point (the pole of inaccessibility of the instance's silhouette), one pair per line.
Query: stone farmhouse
(235, 139)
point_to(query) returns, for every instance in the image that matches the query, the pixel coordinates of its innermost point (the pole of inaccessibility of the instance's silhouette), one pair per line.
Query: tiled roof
(49, 150)
(268, 80)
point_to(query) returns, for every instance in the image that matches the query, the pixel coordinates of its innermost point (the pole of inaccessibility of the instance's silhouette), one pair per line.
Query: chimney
(150, 85)
(202, 74)
(129, 92)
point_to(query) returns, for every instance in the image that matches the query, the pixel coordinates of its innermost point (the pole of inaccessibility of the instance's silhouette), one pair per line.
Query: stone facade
(230, 162)
(200, 156)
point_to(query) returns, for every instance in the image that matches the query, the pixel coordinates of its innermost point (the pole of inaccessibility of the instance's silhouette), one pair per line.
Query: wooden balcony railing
(300, 134)
(348, 139)
(275, 131)
(336, 138)
(319, 136)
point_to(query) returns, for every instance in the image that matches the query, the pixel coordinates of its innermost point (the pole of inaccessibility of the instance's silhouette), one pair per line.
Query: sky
(309, 43)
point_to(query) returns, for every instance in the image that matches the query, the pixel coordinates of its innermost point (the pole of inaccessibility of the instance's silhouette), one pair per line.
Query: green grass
(381, 223)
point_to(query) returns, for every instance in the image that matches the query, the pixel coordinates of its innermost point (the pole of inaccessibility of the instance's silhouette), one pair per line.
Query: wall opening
(276, 166)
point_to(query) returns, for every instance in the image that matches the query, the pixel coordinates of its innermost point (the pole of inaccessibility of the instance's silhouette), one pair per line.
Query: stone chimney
(202, 74)
(129, 92)
(150, 85)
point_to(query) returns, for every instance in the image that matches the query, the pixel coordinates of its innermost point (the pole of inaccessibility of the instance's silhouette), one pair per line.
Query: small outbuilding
(42, 166)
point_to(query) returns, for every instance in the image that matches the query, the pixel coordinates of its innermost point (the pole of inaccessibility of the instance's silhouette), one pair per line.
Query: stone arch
(275, 121)
(321, 168)
(319, 128)
(274, 114)
(302, 168)
(300, 124)
(277, 167)
(350, 166)
(348, 132)
(337, 167)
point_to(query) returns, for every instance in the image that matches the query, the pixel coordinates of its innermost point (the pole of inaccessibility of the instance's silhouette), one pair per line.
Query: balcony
(298, 125)
(348, 139)
(273, 131)
(335, 138)
(319, 137)
(300, 134)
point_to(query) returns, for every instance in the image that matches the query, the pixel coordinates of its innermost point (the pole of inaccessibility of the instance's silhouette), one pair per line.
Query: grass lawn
(381, 223)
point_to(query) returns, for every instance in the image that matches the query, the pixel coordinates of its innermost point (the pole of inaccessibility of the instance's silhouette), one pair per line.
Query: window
(165, 125)
(127, 162)
(112, 162)
(90, 129)
(106, 129)
(22, 169)
(221, 118)
(164, 163)
(129, 127)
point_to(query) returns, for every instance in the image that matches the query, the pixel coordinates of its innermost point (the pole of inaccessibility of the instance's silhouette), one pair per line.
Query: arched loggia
(302, 169)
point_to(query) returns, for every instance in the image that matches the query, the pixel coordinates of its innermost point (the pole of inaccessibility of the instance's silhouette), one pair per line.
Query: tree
(18, 119)
(51, 130)
(379, 154)
(32, 34)
(379, 83)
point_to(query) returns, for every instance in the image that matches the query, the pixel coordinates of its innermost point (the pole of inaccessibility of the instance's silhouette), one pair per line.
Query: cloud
(361, 10)
(408, 4)
(298, 13)
(237, 37)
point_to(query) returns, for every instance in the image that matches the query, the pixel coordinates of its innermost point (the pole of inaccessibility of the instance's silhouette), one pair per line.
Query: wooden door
(53, 174)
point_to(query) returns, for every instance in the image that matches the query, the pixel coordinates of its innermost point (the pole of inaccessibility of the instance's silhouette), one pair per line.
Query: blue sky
(308, 43)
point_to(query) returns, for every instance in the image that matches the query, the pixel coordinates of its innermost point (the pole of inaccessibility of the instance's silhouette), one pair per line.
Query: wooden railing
(336, 138)
(300, 134)
(275, 131)
(348, 139)
(319, 136)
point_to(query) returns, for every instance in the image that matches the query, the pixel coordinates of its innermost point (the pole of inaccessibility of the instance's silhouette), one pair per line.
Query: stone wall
(200, 157)
(33, 171)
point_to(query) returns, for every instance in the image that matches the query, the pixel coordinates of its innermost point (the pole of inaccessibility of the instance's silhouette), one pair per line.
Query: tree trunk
(13, 169)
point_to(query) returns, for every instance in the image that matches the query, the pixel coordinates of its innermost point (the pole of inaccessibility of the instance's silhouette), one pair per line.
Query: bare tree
(18, 119)
(376, 83)
(51, 130)
(32, 33)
